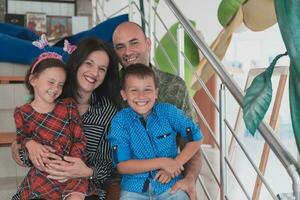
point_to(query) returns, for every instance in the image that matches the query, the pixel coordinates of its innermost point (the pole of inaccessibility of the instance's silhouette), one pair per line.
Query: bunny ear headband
(43, 43)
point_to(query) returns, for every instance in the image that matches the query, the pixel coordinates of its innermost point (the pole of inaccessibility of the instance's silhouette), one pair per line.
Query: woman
(93, 81)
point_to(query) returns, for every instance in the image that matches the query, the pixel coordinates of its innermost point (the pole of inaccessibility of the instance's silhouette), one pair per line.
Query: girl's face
(92, 72)
(48, 84)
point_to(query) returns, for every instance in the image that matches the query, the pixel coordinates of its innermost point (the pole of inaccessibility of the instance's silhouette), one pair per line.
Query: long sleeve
(21, 135)
(102, 163)
(79, 141)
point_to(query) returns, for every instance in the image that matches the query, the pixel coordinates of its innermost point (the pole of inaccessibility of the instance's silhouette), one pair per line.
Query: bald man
(133, 46)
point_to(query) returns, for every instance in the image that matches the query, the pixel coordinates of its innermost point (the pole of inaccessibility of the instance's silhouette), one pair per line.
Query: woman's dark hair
(140, 71)
(39, 68)
(110, 86)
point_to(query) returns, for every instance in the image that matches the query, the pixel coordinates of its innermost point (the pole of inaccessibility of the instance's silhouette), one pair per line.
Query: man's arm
(191, 172)
(193, 166)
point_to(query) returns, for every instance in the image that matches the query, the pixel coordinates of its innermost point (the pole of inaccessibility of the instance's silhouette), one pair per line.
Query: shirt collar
(135, 115)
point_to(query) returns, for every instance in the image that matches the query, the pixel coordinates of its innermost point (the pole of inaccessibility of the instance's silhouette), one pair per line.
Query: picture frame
(36, 22)
(16, 19)
(58, 27)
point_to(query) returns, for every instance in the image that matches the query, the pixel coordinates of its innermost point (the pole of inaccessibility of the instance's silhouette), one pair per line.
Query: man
(133, 46)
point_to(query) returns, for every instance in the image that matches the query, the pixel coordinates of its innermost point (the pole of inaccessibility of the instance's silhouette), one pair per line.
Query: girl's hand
(69, 167)
(15, 147)
(163, 177)
(171, 166)
(37, 152)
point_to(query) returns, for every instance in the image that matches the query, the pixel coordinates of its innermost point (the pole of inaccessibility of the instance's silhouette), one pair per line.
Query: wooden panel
(11, 79)
(7, 138)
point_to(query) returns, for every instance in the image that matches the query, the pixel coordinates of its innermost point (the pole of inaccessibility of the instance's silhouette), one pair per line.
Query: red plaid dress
(60, 129)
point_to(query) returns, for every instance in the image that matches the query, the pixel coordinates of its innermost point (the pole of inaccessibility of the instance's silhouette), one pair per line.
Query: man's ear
(123, 94)
(148, 42)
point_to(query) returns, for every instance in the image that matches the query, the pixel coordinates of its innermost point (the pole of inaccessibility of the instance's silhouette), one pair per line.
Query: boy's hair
(39, 68)
(140, 71)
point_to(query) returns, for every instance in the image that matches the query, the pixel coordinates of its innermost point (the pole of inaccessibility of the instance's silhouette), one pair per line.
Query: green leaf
(258, 97)
(190, 50)
(257, 101)
(227, 9)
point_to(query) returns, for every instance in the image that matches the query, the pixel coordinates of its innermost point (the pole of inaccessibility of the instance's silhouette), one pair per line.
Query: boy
(143, 139)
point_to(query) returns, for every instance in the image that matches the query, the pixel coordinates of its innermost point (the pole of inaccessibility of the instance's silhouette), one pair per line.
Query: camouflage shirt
(172, 89)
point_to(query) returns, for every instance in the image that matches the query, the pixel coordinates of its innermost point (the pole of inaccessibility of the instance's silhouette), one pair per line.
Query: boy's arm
(138, 166)
(134, 166)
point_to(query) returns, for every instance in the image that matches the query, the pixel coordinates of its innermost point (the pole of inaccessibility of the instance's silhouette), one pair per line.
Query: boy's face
(140, 94)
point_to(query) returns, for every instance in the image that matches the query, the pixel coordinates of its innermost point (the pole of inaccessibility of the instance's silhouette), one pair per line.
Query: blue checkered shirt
(132, 138)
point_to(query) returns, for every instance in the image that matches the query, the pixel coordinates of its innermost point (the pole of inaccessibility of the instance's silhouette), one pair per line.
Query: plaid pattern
(60, 129)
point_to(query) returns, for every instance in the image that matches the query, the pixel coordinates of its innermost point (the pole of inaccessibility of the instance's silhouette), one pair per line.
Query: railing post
(180, 48)
(296, 181)
(130, 10)
(223, 138)
(152, 27)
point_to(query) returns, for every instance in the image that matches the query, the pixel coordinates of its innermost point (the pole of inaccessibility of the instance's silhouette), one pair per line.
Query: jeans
(178, 195)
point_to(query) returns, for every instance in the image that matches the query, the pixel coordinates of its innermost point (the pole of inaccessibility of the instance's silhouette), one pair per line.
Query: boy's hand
(171, 166)
(163, 177)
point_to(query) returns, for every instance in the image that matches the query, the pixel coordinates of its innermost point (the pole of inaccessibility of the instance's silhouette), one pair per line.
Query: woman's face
(92, 71)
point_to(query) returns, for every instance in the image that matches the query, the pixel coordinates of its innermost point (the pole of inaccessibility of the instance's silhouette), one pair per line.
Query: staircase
(12, 92)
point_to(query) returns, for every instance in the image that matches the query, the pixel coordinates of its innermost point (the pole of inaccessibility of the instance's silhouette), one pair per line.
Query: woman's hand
(37, 153)
(15, 147)
(69, 167)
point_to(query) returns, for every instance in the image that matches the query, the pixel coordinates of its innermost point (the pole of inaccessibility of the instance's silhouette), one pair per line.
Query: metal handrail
(282, 154)
(266, 131)
(285, 157)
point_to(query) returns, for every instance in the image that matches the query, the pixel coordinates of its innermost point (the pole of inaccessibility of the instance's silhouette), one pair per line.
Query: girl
(49, 123)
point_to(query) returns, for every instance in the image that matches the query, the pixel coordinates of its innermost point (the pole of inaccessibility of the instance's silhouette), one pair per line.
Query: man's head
(139, 88)
(131, 44)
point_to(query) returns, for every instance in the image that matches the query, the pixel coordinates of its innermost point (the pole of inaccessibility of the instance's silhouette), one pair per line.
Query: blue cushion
(16, 41)
(18, 32)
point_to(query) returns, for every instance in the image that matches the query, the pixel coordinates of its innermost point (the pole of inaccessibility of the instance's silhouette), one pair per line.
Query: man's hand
(186, 185)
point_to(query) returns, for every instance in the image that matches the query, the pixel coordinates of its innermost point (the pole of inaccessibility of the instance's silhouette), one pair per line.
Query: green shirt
(172, 89)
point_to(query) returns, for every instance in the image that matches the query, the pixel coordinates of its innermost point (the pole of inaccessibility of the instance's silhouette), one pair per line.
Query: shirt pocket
(166, 145)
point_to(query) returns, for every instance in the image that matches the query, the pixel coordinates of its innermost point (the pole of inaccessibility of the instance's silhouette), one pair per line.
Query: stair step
(9, 186)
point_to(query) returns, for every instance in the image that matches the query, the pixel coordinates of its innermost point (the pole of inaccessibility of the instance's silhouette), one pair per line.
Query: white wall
(58, 9)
